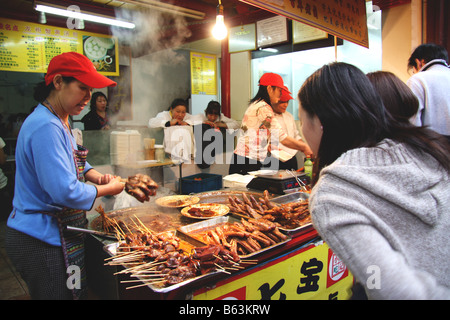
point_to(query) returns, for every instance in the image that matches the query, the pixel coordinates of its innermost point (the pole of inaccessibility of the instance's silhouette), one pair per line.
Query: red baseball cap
(73, 64)
(272, 79)
(285, 96)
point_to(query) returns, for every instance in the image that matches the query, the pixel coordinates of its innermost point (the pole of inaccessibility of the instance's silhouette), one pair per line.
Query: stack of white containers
(125, 147)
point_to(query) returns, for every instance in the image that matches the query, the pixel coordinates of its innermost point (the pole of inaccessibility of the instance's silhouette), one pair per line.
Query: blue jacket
(46, 177)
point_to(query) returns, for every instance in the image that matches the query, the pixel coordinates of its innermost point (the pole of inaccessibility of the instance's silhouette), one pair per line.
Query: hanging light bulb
(219, 30)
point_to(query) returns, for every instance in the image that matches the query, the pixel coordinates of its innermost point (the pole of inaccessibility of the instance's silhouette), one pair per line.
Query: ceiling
(187, 31)
(198, 29)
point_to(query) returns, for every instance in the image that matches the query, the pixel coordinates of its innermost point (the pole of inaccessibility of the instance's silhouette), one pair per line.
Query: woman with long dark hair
(381, 194)
(397, 97)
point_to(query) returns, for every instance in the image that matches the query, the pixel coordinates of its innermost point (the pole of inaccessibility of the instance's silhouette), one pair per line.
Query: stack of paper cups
(125, 147)
(118, 147)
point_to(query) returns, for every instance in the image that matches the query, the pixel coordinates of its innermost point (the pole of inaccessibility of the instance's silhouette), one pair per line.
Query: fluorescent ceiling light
(269, 50)
(84, 16)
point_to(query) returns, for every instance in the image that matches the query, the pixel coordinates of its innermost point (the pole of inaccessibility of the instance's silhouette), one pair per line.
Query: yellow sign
(345, 19)
(203, 73)
(29, 47)
(312, 274)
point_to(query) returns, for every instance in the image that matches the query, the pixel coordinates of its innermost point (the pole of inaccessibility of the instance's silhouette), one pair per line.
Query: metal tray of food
(193, 228)
(221, 196)
(111, 249)
(156, 218)
(291, 197)
(287, 198)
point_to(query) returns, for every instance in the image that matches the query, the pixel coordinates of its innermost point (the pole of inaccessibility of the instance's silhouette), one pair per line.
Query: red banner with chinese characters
(345, 19)
(311, 273)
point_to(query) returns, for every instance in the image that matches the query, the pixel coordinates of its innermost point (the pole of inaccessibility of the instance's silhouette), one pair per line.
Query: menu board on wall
(271, 31)
(203, 73)
(29, 47)
(345, 19)
(303, 33)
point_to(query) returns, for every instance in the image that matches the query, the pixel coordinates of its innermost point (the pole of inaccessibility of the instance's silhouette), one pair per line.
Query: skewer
(131, 253)
(249, 261)
(139, 285)
(117, 255)
(136, 269)
(137, 280)
(221, 268)
(145, 227)
(155, 274)
(135, 247)
(231, 268)
(125, 259)
(112, 263)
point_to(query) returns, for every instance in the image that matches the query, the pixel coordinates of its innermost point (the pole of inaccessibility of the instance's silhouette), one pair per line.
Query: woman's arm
(297, 145)
(106, 184)
(228, 122)
(160, 120)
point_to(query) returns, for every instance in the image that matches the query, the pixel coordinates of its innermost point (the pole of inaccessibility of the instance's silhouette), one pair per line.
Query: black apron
(72, 243)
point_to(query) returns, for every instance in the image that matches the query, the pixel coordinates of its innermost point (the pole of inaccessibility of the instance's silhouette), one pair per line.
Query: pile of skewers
(290, 215)
(158, 259)
(111, 225)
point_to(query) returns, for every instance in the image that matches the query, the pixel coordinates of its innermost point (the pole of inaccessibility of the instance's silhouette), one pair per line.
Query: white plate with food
(205, 210)
(177, 201)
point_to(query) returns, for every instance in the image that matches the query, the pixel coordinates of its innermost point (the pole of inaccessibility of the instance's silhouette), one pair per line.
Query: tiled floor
(12, 286)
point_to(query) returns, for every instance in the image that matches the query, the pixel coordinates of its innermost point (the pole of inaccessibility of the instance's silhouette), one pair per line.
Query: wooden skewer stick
(137, 280)
(146, 284)
(145, 227)
(155, 274)
(249, 261)
(139, 285)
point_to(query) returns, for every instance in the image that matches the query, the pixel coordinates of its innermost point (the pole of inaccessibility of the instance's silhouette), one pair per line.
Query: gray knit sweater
(385, 211)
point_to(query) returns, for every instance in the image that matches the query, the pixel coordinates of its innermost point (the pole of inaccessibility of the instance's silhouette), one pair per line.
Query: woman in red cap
(50, 192)
(260, 129)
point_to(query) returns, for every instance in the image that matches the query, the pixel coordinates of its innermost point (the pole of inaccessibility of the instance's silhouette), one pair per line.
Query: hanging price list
(29, 47)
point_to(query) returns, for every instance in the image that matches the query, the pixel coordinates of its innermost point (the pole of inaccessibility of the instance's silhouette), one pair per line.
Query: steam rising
(155, 31)
(153, 43)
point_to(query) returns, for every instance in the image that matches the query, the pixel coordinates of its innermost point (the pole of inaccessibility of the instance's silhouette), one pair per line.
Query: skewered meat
(110, 225)
(243, 237)
(138, 194)
(147, 180)
(205, 253)
(290, 215)
(141, 187)
(252, 212)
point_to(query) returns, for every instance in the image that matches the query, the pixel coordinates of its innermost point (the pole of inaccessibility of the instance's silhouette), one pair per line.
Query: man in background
(431, 83)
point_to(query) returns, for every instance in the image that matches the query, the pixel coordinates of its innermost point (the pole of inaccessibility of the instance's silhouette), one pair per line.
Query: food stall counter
(303, 258)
